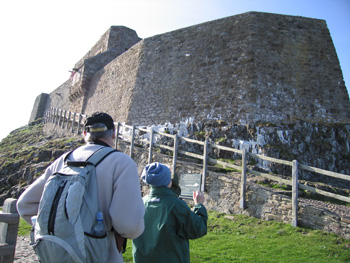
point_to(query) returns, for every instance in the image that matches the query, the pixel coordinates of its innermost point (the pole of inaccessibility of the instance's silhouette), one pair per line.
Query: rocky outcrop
(25, 154)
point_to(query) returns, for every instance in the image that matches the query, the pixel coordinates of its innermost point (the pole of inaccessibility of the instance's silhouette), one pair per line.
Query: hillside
(24, 155)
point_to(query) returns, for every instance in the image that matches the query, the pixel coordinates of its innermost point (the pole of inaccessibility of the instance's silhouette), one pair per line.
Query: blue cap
(156, 174)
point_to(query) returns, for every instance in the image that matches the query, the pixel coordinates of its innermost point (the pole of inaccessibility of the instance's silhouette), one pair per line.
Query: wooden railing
(57, 117)
(65, 119)
(8, 231)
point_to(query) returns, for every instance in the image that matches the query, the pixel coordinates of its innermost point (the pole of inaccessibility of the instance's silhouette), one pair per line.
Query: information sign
(189, 183)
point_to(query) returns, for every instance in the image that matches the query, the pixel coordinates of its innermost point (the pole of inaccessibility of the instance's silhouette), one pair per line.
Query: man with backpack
(66, 215)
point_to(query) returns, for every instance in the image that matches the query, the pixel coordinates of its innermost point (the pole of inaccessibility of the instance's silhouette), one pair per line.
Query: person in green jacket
(169, 222)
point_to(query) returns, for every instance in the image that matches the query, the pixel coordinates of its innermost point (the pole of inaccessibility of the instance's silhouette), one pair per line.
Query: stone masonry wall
(39, 107)
(112, 88)
(249, 68)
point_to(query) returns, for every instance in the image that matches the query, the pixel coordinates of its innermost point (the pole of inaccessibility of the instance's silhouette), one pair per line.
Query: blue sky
(42, 40)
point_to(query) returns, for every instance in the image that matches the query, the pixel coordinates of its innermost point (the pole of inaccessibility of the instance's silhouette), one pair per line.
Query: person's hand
(198, 197)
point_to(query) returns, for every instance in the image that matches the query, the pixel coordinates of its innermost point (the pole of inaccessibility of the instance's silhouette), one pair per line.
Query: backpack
(67, 213)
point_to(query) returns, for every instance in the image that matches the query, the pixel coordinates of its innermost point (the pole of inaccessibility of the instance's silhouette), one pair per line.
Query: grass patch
(24, 228)
(227, 169)
(247, 239)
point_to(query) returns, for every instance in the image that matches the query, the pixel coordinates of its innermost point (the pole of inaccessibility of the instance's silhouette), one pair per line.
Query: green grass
(247, 239)
(24, 228)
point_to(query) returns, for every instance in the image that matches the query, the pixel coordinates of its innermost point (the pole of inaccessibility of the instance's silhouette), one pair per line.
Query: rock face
(25, 154)
(318, 145)
(322, 146)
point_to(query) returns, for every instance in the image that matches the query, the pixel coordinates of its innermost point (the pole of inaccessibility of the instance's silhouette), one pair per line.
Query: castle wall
(59, 98)
(249, 68)
(39, 107)
(119, 38)
(112, 88)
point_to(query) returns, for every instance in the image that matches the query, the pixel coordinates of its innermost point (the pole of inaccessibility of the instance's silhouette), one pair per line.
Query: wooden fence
(70, 121)
(8, 231)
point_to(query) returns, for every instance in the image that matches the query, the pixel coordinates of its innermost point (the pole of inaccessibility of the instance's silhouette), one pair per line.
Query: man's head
(98, 126)
(156, 174)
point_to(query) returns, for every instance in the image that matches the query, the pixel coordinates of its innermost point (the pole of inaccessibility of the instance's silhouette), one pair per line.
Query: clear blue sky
(42, 40)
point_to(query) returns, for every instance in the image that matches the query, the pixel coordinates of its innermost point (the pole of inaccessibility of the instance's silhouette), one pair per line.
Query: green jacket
(169, 224)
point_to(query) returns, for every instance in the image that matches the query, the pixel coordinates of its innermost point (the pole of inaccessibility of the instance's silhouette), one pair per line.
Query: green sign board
(189, 183)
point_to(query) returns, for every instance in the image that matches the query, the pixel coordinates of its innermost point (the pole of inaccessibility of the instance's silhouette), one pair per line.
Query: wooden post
(64, 112)
(68, 119)
(116, 136)
(295, 183)
(176, 144)
(243, 179)
(59, 117)
(150, 153)
(205, 163)
(8, 230)
(47, 116)
(73, 121)
(51, 115)
(79, 121)
(54, 116)
(132, 141)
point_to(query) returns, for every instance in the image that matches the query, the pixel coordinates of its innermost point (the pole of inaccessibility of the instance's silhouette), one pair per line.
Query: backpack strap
(100, 155)
(94, 158)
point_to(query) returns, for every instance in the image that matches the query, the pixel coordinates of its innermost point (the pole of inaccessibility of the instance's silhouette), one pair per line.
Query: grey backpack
(67, 214)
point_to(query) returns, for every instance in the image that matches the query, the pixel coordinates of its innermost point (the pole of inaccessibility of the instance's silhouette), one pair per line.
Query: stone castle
(246, 69)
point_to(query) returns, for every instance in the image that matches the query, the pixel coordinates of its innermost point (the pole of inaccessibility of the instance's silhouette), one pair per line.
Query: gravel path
(24, 251)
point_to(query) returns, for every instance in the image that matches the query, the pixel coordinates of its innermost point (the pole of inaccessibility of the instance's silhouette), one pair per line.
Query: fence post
(54, 116)
(64, 112)
(48, 115)
(205, 163)
(243, 179)
(68, 119)
(176, 144)
(132, 141)
(116, 136)
(59, 117)
(79, 121)
(51, 115)
(47, 119)
(295, 183)
(8, 231)
(150, 153)
(73, 121)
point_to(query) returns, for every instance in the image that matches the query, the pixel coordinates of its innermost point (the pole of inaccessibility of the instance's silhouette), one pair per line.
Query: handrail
(8, 230)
